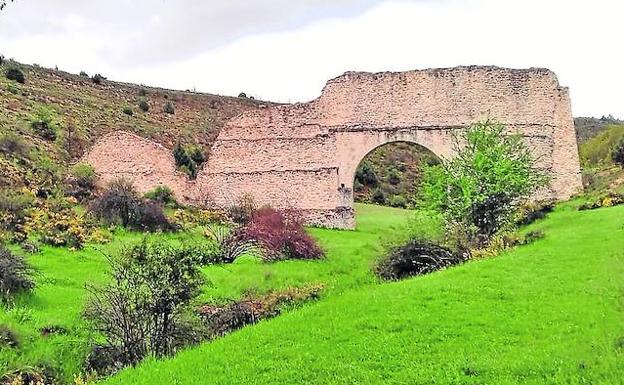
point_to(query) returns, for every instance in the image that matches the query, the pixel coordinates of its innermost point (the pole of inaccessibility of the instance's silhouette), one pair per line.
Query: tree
(479, 190)
(144, 309)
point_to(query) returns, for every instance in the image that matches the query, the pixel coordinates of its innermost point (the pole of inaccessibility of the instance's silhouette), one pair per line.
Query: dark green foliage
(15, 274)
(15, 74)
(146, 307)
(189, 158)
(379, 196)
(480, 190)
(162, 195)
(416, 258)
(366, 175)
(128, 111)
(8, 338)
(168, 108)
(617, 155)
(44, 123)
(533, 211)
(397, 201)
(121, 205)
(242, 95)
(144, 105)
(84, 74)
(97, 79)
(80, 183)
(14, 144)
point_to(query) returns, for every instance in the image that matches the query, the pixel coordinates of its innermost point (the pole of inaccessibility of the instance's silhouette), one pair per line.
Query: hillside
(90, 110)
(546, 313)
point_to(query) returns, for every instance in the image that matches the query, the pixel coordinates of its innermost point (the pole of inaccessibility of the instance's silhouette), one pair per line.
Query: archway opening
(390, 174)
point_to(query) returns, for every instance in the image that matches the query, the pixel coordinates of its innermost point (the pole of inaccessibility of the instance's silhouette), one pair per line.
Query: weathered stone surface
(305, 155)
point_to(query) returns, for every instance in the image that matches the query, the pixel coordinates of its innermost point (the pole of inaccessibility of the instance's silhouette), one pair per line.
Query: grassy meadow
(547, 313)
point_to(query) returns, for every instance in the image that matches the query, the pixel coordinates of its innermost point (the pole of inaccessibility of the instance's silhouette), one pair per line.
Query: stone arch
(349, 167)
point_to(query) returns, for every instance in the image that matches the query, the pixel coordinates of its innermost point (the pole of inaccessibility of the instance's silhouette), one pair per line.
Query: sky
(285, 50)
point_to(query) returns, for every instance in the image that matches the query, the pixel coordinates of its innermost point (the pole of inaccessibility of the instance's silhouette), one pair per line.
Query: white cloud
(579, 40)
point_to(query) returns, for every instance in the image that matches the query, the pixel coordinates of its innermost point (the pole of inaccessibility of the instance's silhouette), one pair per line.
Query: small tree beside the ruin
(479, 190)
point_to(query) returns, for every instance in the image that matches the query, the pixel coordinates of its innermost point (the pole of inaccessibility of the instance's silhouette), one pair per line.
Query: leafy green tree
(479, 190)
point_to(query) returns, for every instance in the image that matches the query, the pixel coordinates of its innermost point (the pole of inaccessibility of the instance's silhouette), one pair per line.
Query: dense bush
(80, 182)
(189, 218)
(15, 74)
(280, 234)
(241, 211)
(379, 196)
(97, 79)
(397, 201)
(162, 195)
(128, 111)
(14, 207)
(146, 307)
(416, 258)
(189, 158)
(84, 74)
(15, 274)
(168, 108)
(366, 175)
(532, 211)
(617, 155)
(481, 188)
(44, 123)
(14, 144)
(120, 204)
(8, 338)
(223, 319)
(58, 223)
(144, 106)
(226, 246)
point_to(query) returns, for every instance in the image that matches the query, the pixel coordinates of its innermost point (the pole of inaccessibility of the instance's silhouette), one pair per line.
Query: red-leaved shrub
(281, 234)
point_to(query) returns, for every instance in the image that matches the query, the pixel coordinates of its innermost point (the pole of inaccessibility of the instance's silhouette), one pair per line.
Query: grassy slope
(550, 312)
(63, 274)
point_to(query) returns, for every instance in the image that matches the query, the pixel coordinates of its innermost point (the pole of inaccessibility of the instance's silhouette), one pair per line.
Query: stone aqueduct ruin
(304, 156)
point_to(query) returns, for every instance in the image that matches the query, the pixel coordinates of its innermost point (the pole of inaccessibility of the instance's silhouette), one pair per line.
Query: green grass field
(550, 312)
(547, 313)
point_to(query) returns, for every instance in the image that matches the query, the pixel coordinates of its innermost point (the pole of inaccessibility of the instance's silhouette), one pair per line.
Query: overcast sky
(285, 50)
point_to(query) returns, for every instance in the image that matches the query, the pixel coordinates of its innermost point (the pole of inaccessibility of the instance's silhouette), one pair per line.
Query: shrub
(121, 205)
(223, 319)
(84, 74)
(162, 195)
(241, 212)
(533, 211)
(128, 111)
(168, 108)
(146, 305)
(44, 123)
(189, 218)
(80, 183)
(242, 95)
(11, 143)
(15, 274)
(379, 196)
(617, 154)
(397, 201)
(415, 258)
(189, 158)
(144, 106)
(97, 79)
(226, 246)
(59, 224)
(481, 188)
(8, 338)
(15, 74)
(14, 206)
(366, 175)
(598, 151)
(281, 235)
(142, 92)
(606, 200)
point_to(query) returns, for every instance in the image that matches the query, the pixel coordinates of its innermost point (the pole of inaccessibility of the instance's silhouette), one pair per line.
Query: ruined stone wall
(305, 155)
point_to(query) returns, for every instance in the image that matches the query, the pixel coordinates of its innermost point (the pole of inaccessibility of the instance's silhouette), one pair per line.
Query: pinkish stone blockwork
(304, 156)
